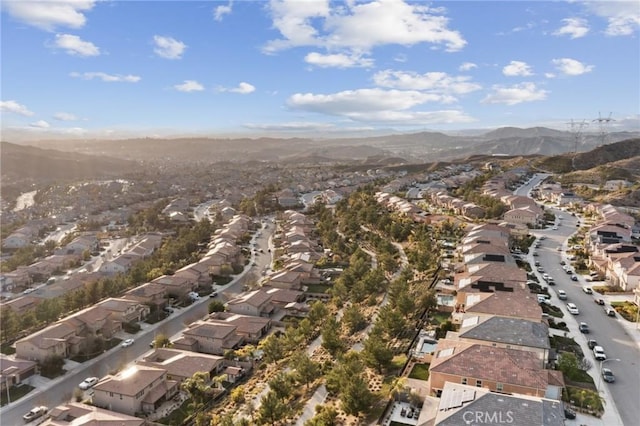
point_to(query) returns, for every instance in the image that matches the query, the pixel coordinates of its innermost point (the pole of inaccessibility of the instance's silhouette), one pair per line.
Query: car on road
(555, 228)
(598, 353)
(88, 383)
(591, 343)
(562, 262)
(127, 343)
(35, 413)
(569, 413)
(574, 278)
(213, 294)
(168, 309)
(608, 376)
(587, 290)
(562, 295)
(583, 327)
(572, 308)
(193, 295)
(610, 311)
(599, 301)
(540, 269)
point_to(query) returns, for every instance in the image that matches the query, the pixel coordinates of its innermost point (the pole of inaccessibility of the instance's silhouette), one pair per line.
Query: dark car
(607, 375)
(584, 328)
(574, 278)
(592, 343)
(569, 414)
(599, 301)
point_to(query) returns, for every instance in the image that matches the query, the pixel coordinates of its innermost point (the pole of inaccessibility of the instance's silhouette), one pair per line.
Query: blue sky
(315, 68)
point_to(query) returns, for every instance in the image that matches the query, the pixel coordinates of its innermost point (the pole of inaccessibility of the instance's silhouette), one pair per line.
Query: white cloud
(517, 68)
(570, 66)
(549, 75)
(513, 95)
(363, 102)
(168, 47)
(467, 66)
(359, 26)
(65, 116)
(108, 78)
(48, 15)
(242, 88)
(15, 107)
(411, 118)
(623, 17)
(573, 27)
(189, 86)
(338, 60)
(74, 45)
(220, 11)
(436, 82)
(40, 124)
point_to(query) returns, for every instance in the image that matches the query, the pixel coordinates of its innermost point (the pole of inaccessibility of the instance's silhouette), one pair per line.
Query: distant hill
(600, 156)
(19, 162)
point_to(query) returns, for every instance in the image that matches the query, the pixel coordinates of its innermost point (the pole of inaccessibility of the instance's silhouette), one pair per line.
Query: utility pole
(603, 127)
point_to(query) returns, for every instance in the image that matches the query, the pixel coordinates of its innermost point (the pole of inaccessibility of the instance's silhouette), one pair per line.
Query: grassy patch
(317, 288)
(420, 372)
(602, 289)
(438, 318)
(627, 310)
(565, 344)
(554, 311)
(15, 393)
(398, 362)
(7, 349)
(585, 399)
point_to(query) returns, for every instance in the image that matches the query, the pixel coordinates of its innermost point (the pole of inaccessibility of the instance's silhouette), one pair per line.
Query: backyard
(420, 372)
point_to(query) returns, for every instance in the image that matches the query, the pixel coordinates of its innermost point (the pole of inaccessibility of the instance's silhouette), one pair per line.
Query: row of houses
(500, 355)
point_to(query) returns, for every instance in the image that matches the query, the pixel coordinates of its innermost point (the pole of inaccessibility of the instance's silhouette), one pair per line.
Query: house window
(478, 383)
(464, 381)
(499, 387)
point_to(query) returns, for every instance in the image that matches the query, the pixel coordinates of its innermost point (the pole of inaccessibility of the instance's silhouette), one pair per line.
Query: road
(607, 331)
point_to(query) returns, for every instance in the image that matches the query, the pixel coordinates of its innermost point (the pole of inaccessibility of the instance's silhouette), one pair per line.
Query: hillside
(19, 162)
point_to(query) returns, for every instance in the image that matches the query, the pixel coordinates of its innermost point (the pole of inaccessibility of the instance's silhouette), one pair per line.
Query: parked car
(610, 311)
(572, 308)
(599, 301)
(193, 295)
(168, 309)
(587, 290)
(598, 353)
(562, 295)
(574, 278)
(213, 294)
(35, 413)
(127, 343)
(591, 343)
(569, 414)
(608, 376)
(88, 383)
(583, 327)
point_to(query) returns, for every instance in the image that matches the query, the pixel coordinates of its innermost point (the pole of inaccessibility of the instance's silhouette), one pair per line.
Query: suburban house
(56, 340)
(503, 332)
(14, 371)
(209, 337)
(21, 305)
(151, 294)
(95, 321)
(522, 216)
(136, 390)
(498, 369)
(466, 404)
(125, 310)
(16, 240)
(256, 303)
(15, 281)
(78, 414)
(285, 279)
(518, 304)
(182, 365)
(176, 286)
(80, 244)
(197, 272)
(119, 264)
(251, 328)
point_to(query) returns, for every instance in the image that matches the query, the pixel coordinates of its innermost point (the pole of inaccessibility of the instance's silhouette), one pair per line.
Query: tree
(306, 369)
(376, 352)
(331, 340)
(326, 415)
(196, 387)
(356, 397)
(272, 409)
(354, 319)
(272, 348)
(237, 395)
(216, 306)
(161, 341)
(281, 385)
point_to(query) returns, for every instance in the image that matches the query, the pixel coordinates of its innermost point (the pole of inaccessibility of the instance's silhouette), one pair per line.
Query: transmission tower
(577, 131)
(603, 127)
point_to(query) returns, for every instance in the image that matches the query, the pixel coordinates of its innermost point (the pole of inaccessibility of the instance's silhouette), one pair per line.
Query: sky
(314, 68)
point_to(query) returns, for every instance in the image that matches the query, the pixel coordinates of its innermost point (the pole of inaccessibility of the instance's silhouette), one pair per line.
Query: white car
(562, 295)
(35, 413)
(88, 383)
(127, 343)
(598, 353)
(572, 308)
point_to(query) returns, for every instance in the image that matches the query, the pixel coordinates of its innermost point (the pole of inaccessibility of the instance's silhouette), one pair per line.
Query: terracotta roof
(181, 363)
(211, 330)
(130, 381)
(517, 305)
(77, 414)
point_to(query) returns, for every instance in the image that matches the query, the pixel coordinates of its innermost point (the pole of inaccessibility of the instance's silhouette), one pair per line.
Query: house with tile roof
(14, 371)
(181, 365)
(78, 414)
(209, 338)
(498, 369)
(463, 404)
(136, 390)
(256, 303)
